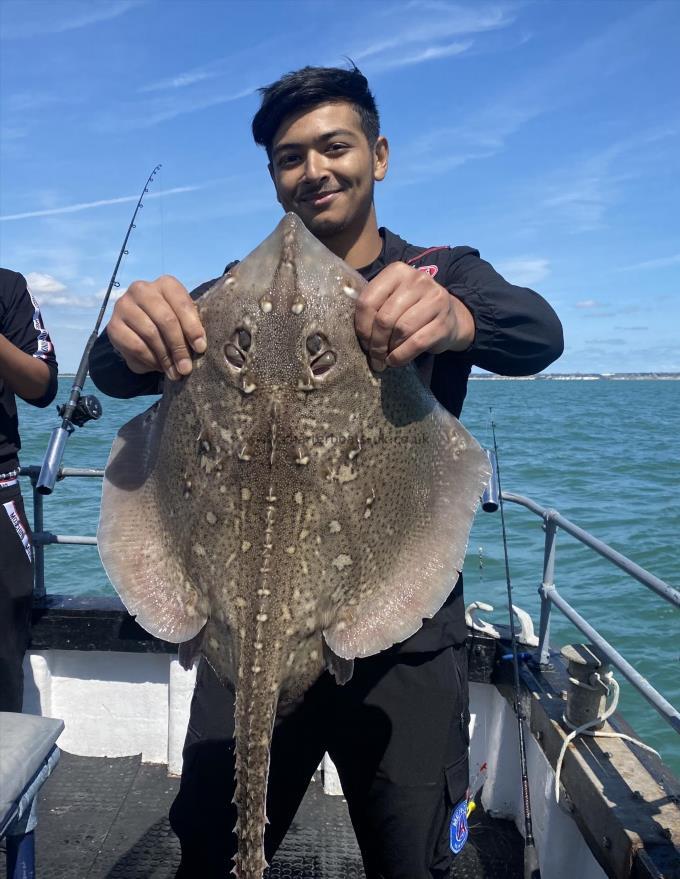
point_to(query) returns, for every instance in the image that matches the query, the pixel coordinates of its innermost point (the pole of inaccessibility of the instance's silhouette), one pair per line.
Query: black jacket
(517, 333)
(21, 323)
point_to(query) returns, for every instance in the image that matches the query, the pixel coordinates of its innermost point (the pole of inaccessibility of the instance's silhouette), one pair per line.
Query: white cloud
(51, 292)
(452, 21)
(415, 42)
(226, 67)
(658, 263)
(482, 134)
(139, 115)
(525, 271)
(180, 80)
(587, 303)
(69, 301)
(21, 20)
(92, 300)
(638, 329)
(43, 284)
(581, 195)
(607, 341)
(428, 54)
(580, 202)
(17, 132)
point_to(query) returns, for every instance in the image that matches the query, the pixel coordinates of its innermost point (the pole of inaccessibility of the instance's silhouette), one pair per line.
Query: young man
(28, 368)
(398, 731)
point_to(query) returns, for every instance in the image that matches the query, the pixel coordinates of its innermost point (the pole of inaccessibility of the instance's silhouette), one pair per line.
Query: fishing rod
(79, 409)
(531, 867)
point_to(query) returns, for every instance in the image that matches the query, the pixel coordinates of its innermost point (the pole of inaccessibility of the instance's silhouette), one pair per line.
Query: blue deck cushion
(25, 743)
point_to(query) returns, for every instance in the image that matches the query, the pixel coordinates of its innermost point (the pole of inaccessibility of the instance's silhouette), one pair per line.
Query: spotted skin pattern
(284, 509)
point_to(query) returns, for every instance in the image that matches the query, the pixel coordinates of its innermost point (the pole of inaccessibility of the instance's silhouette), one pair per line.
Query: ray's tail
(256, 701)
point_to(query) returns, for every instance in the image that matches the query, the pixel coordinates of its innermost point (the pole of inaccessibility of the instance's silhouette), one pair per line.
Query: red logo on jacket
(431, 270)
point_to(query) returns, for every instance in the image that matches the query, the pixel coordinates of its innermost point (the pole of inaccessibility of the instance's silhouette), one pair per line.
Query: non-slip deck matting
(104, 818)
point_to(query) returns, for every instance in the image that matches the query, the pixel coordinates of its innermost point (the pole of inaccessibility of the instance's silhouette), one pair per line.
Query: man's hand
(403, 312)
(155, 325)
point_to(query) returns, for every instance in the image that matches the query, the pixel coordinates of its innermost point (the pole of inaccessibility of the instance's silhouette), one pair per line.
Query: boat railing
(41, 537)
(550, 596)
(552, 522)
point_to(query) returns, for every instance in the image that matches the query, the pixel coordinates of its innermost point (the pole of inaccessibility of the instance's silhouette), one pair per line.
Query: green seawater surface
(605, 453)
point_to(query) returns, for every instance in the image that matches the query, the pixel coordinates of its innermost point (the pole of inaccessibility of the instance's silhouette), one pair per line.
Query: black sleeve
(517, 331)
(21, 324)
(111, 374)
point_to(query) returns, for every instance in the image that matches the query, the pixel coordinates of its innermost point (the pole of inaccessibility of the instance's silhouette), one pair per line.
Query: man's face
(324, 169)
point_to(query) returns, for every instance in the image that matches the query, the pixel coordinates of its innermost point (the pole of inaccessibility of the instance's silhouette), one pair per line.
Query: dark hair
(306, 88)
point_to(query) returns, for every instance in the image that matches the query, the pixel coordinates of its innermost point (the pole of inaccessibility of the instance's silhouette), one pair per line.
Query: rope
(611, 685)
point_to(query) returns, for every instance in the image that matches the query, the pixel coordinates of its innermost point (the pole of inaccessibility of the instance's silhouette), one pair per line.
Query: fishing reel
(87, 409)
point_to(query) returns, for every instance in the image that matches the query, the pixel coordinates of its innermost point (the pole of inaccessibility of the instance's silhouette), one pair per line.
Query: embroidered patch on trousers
(459, 827)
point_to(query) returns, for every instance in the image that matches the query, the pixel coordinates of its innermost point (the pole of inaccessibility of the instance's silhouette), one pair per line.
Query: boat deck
(106, 818)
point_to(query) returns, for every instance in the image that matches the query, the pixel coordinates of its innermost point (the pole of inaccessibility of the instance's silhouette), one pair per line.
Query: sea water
(605, 453)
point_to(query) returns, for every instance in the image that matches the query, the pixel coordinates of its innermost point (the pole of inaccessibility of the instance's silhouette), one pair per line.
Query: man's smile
(320, 199)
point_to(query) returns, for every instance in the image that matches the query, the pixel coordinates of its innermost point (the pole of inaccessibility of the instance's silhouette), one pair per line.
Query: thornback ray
(284, 508)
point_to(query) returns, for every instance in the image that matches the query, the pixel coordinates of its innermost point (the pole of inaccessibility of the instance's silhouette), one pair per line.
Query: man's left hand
(402, 313)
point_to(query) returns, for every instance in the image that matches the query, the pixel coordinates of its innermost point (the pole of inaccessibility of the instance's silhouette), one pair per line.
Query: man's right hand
(155, 326)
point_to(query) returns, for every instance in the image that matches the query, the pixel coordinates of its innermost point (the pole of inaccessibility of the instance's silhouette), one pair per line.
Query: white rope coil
(611, 686)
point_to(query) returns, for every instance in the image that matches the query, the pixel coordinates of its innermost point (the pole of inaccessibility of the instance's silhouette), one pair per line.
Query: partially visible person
(28, 368)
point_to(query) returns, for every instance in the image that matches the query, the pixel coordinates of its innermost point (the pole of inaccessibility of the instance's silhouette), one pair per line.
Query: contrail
(86, 205)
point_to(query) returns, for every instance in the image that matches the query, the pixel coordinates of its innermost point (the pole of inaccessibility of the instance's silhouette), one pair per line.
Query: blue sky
(546, 134)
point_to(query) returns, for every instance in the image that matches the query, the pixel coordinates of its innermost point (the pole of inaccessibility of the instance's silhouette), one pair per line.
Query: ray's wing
(405, 502)
(136, 548)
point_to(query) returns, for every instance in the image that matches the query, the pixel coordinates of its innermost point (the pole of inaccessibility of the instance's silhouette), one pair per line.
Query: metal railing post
(542, 653)
(38, 547)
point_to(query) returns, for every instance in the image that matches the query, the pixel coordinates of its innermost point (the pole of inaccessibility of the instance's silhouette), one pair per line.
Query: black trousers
(398, 734)
(16, 594)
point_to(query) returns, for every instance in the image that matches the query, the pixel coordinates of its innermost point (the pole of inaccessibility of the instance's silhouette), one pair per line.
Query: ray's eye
(235, 349)
(322, 356)
(316, 342)
(323, 363)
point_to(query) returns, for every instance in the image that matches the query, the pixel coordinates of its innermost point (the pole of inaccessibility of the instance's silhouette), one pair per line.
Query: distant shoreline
(580, 376)
(552, 376)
